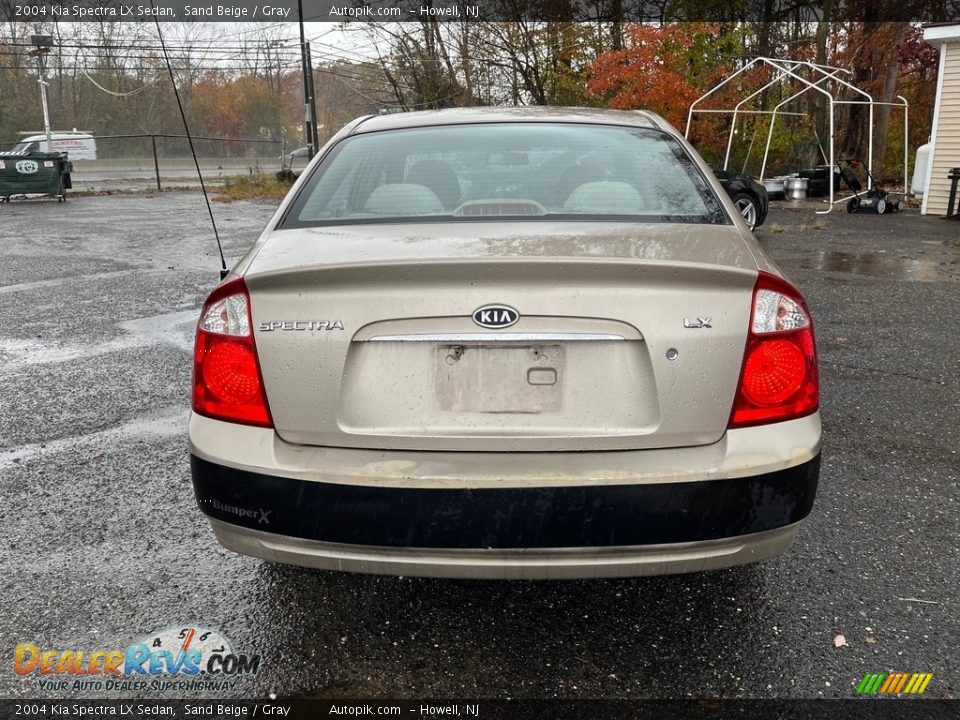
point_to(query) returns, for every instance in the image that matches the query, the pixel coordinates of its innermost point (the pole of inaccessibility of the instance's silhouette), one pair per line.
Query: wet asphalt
(104, 543)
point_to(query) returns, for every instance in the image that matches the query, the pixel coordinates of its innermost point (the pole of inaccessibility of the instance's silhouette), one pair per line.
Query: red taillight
(779, 379)
(227, 384)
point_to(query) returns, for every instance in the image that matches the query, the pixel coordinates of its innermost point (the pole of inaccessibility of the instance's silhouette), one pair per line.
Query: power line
(269, 46)
(111, 92)
(342, 68)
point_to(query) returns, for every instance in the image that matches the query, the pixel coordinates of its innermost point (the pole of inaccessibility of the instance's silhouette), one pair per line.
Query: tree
(665, 68)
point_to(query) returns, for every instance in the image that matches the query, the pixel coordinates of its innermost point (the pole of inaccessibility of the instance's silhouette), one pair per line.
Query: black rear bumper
(552, 517)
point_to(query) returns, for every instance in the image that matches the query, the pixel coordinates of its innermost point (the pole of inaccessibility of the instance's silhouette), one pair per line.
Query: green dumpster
(35, 173)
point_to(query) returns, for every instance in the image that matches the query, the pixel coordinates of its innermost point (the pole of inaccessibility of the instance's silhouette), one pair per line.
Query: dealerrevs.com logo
(190, 657)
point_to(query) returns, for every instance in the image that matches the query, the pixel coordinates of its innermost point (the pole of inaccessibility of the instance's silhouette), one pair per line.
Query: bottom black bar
(892, 708)
(535, 517)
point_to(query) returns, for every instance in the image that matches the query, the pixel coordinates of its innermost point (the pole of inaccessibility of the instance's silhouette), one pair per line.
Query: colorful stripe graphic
(894, 683)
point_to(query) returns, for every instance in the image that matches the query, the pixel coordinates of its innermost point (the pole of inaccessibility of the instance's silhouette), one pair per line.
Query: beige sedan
(506, 343)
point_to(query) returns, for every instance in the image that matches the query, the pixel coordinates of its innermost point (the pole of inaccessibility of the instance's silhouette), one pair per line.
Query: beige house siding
(946, 154)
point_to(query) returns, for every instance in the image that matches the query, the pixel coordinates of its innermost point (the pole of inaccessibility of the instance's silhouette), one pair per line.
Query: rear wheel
(747, 207)
(881, 206)
(853, 205)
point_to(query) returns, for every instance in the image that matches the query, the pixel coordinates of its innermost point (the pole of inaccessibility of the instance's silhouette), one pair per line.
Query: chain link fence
(159, 160)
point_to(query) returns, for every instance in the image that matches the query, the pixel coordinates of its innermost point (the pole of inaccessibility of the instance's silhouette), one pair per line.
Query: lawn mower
(875, 200)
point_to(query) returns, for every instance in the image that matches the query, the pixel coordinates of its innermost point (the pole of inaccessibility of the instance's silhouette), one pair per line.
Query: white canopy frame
(785, 70)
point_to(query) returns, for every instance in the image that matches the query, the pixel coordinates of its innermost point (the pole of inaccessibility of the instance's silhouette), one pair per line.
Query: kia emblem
(495, 316)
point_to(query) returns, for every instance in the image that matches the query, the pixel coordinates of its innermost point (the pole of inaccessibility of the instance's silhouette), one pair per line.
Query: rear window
(528, 171)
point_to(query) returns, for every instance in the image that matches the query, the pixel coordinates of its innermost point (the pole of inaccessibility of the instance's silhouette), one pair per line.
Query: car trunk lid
(628, 336)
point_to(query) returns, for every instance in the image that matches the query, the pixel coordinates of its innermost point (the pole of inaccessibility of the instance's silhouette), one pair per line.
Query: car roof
(473, 115)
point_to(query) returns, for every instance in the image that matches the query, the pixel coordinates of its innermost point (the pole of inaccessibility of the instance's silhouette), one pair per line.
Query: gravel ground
(98, 298)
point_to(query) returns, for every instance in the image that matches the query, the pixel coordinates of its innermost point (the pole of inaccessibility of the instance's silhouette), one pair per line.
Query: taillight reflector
(778, 380)
(227, 383)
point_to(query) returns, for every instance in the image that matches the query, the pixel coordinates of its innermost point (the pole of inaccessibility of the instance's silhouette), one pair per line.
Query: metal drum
(796, 188)
(775, 188)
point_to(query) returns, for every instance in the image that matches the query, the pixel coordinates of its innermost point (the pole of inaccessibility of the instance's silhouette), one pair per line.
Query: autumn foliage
(664, 69)
(241, 106)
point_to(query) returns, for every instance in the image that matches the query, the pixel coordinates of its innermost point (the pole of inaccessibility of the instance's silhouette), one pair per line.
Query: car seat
(439, 177)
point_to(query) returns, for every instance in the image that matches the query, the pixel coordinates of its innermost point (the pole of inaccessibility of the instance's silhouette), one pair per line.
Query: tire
(748, 208)
(881, 206)
(853, 205)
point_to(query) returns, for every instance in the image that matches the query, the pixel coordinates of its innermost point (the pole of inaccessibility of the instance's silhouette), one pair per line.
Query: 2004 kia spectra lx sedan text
(506, 343)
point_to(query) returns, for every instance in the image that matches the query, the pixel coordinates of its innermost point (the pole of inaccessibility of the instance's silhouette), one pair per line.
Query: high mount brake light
(778, 380)
(227, 382)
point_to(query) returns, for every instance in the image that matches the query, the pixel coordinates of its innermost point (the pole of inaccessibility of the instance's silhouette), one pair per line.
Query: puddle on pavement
(880, 266)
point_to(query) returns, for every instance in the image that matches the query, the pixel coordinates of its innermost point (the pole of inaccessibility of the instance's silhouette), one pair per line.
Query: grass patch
(132, 191)
(252, 187)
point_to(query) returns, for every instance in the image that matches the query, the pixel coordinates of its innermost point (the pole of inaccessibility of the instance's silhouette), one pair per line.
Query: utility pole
(311, 99)
(42, 45)
(309, 106)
